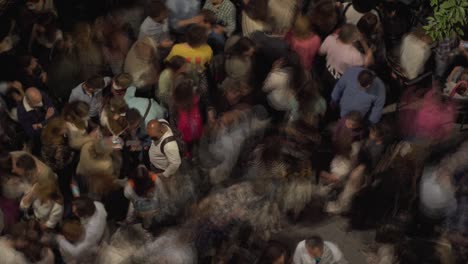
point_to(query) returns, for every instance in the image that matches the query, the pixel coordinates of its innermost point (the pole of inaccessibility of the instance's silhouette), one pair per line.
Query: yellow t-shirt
(203, 52)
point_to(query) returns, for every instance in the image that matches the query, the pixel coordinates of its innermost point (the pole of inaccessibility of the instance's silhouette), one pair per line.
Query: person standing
(314, 251)
(225, 12)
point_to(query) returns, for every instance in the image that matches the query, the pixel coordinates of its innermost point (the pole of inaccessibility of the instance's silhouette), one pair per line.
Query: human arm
(368, 55)
(55, 215)
(339, 88)
(171, 151)
(193, 20)
(378, 105)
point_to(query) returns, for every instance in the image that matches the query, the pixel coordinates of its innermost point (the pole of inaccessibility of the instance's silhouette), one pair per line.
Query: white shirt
(94, 227)
(49, 212)
(301, 256)
(171, 161)
(155, 30)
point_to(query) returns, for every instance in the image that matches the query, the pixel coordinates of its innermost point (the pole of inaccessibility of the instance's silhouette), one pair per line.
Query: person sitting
(195, 50)
(164, 153)
(90, 92)
(360, 90)
(92, 216)
(315, 250)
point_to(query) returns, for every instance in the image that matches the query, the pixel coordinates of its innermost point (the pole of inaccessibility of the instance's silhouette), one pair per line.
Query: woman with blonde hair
(304, 41)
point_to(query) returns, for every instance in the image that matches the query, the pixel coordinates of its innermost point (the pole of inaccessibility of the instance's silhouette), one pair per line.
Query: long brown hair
(183, 93)
(53, 132)
(75, 112)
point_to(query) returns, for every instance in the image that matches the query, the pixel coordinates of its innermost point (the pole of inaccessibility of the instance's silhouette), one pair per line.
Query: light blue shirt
(141, 104)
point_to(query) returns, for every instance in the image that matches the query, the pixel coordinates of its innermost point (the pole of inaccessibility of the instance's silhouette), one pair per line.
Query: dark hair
(293, 61)
(133, 116)
(30, 232)
(26, 162)
(272, 253)
(142, 180)
(157, 10)
(324, 17)
(84, 206)
(49, 21)
(314, 241)
(347, 33)
(183, 93)
(74, 112)
(95, 82)
(364, 6)
(196, 36)
(208, 16)
(366, 78)
(176, 62)
(242, 45)
(367, 24)
(257, 10)
(378, 129)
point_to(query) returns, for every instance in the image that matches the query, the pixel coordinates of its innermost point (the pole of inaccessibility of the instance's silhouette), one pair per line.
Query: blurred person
(33, 114)
(324, 17)
(115, 50)
(414, 52)
(156, 24)
(371, 29)
(90, 92)
(45, 33)
(142, 63)
(196, 50)
(180, 10)
(225, 12)
(92, 216)
(341, 53)
(360, 90)
(46, 203)
(174, 67)
(238, 60)
(283, 12)
(355, 10)
(56, 152)
(304, 41)
(457, 83)
(148, 108)
(164, 151)
(32, 170)
(113, 119)
(254, 16)
(315, 250)
(120, 84)
(186, 110)
(76, 117)
(41, 6)
(12, 136)
(31, 73)
(216, 35)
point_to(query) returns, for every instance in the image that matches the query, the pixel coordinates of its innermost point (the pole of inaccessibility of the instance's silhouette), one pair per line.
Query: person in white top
(93, 217)
(316, 251)
(164, 152)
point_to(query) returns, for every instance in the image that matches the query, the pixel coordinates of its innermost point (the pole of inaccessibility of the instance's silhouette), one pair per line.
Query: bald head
(34, 97)
(155, 129)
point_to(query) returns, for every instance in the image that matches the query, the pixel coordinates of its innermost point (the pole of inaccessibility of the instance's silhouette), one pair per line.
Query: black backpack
(175, 137)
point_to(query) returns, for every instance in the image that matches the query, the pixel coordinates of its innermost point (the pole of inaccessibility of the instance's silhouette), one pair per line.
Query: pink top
(306, 48)
(190, 123)
(340, 56)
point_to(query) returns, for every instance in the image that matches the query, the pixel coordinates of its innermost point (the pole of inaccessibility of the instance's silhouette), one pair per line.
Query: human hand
(218, 29)
(197, 19)
(50, 112)
(166, 43)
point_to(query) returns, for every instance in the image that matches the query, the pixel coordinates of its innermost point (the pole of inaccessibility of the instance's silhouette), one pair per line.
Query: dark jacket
(34, 116)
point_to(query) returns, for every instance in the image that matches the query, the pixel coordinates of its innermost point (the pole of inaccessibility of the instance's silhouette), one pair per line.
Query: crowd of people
(191, 131)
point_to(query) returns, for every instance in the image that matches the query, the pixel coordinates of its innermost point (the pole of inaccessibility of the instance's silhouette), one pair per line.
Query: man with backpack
(164, 154)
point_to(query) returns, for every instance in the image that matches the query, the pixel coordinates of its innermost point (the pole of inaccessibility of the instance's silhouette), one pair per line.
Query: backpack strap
(147, 109)
(165, 141)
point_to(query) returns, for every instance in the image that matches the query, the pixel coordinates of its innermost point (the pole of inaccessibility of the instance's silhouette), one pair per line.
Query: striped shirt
(226, 12)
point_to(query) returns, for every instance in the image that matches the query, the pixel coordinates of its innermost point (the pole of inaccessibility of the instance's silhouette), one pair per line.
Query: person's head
(83, 207)
(177, 64)
(25, 237)
(120, 84)
(348, 34)
(364, 6)
(133, 118)
(209, 18)
(301, 27)
(275, 253)
(183, 93)
(257, 10)
(376, 132)
(24, 165)
(94, 83)
(30, 65)
(46, 24)
(158, 11)
(314, 246)
(368, 23)
(35, 5)
(196, 36)
(117, 108)
(353, 120)
(155, 129)
(76, 113)
(366, 78)
(34, 97)
(141, 181)
(244, 47)
(55, 132)
(73, 231)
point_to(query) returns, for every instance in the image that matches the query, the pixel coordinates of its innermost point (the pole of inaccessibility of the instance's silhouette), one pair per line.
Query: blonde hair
(51, 134)
(301, 27)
